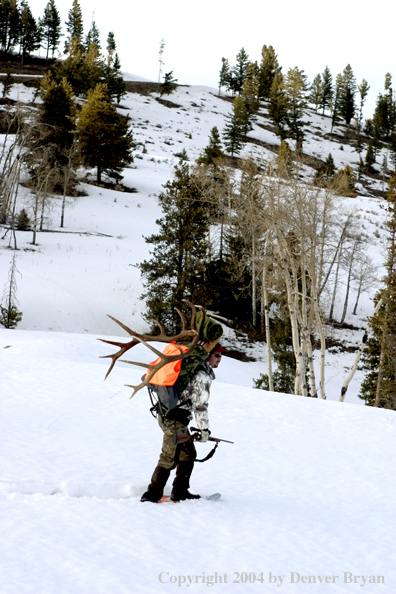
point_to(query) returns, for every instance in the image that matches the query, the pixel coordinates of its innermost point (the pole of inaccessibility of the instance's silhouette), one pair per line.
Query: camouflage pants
(171, 454)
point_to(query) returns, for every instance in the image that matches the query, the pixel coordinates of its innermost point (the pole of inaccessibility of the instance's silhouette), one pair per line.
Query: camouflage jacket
(198, 392)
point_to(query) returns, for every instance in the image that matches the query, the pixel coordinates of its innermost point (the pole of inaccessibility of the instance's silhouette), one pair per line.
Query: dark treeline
(287, 95)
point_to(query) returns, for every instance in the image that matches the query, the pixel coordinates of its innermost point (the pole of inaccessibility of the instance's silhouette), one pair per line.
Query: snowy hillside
(77, 275)
(308, 488)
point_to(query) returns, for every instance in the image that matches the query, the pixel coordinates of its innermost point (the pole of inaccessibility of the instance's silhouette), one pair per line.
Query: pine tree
(284, 159)
(337, 102)
(328, 93)
(239, 71)
(278, 106)
(325, 173)
(9, 314)
(93, 69)
(224, 74)
(8, 82)
(347, 106)
(180, 250)
(111, 48)
(168, 86)
(51, 27)
(363, 92)
(113, 77)
(237, 127)
(58, 111)
(379, 357)
(295, 90)
(74, 26)
(93, 36)
(30, 34)
(213, 151)
(23, 221)
(10, 24)
(268, 69)
(250, 89)
(316, 92)
(370, 157)
(104, 136)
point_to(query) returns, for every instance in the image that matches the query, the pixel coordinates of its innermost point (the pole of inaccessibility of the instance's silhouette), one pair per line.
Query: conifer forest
(256, 223)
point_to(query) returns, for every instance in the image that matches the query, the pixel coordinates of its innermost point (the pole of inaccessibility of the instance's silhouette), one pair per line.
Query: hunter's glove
(204, 435)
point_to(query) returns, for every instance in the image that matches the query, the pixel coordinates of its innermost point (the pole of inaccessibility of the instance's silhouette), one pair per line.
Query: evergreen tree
(177, 268)
(325, 173)
(237, 127)
(224, 74)
(113, 78)
(278, 106)
(370, 158)
(337, 102)
(51, 27)
(214, 149)
(93, 36)
(10, 24)
(92, 69)
(9, 314)
(284, 159)
(363, 92)
(379, 356)
(111, 48)
(328, 93)
(269, 68)
(295, 90)
(250, 89)
(347, 106)
(30, 34)
(168, 86)
(104, 137)
(74, 26)
(23, 221)
(316, 92)
(239, 71)
(8, 82)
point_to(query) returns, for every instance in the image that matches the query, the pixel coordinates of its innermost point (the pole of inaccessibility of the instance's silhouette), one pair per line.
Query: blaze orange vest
(168, 374)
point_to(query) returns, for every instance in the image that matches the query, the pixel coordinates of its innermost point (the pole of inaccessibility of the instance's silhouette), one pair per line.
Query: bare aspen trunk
(254, 298)
(335, 282)
(266, 314)
(358, 355)
(348, 286)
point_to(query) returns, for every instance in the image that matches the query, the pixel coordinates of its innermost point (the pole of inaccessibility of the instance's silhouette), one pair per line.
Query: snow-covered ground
(78, 274)
(308, 487)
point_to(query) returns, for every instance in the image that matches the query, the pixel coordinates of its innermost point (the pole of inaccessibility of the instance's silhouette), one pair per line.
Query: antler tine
(182, 318)
(127, 330)
(160, 326)
(123, 348)
(154, 368)
(192, 333)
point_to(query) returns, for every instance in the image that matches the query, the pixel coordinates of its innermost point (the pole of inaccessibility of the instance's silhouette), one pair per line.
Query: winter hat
(218, 349)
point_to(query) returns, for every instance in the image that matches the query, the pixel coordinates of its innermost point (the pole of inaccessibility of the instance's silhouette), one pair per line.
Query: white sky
(304, 34)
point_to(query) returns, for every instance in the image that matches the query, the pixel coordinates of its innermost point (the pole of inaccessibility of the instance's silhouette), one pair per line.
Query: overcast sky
(306, 34)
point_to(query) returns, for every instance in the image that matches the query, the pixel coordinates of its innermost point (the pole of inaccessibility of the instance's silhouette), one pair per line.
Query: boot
(181, 483)
(155, 490)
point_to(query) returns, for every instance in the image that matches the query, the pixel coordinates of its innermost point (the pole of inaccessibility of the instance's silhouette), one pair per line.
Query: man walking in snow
(194, 399)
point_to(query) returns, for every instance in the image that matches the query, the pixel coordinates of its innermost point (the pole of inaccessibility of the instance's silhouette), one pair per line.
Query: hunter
(192, 398)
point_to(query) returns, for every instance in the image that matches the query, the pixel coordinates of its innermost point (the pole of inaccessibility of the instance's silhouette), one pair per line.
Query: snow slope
(78, 274)
(308, 488)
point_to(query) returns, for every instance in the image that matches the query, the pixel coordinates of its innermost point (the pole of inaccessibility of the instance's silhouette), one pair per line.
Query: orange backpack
(168, 374)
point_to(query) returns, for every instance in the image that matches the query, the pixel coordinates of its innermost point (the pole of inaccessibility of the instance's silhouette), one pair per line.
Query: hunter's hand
(204, 435)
